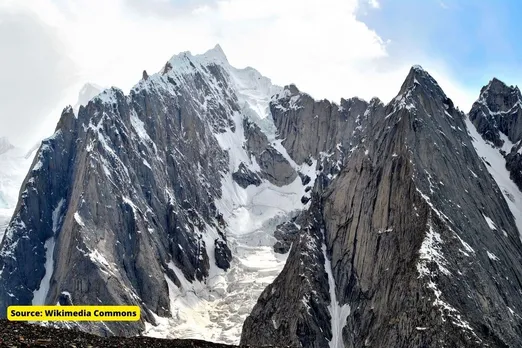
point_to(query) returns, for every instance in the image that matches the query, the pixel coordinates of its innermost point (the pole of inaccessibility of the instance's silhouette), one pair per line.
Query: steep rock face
(420, 246)
(128, 208)
(320, 132)
(310, 127)
(497, 116)
(244, 177)
(514, 164)
(119, 206)
(272, 164)
(498, 110)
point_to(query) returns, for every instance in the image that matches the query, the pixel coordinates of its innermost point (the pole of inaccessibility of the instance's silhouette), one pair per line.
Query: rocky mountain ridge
(497, 115)
(407, 234)
(150, 213)
(208, 188)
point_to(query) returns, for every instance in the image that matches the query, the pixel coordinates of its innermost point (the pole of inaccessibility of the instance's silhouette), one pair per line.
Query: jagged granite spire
(498, 110)
(417, 76)
(109, 197)
(497, 116)
(411, 233)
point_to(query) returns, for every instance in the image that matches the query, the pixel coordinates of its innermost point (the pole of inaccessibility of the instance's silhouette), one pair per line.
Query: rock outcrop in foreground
(18, 334)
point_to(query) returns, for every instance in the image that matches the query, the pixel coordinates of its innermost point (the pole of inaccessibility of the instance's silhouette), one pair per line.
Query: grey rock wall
(405, 228)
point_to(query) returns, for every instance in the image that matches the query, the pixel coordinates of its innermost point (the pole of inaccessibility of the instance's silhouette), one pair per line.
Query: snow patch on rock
(40, 294)
(337, 312)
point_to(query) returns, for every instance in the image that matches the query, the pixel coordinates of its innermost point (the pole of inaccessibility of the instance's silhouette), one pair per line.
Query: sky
(328, 48)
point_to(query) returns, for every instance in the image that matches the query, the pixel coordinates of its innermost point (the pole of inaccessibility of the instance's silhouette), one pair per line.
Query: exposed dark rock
(497, 113)
(145, 76)
(404, 226)
(311, 127)
(498, 109)
(514, 164)
(167, 68)
(65, 299)
(407, 241)
(286, 234)
(305, 179)
(123, 189)
(244, 177)
(19, 334)
(274, 167)
(223, 254)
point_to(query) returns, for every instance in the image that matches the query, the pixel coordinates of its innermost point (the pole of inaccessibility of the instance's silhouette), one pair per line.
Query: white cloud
(320, 45)
(35, 73)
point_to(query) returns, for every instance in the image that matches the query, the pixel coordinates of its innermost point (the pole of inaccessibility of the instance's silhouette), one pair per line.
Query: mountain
(497, 116)
(412, 244)
(146, 196)
(497, 113)
(14, 163)
(232, 209)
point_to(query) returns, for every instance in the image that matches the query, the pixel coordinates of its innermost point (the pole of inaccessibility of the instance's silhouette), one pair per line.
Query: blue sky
(476, 39)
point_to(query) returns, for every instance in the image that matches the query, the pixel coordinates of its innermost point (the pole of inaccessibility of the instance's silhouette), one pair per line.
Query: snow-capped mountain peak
(186, 60)
(217, 54)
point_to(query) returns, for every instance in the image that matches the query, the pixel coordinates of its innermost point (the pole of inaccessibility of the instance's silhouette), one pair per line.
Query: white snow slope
(337, 312)
(497, 168)
(215, 309)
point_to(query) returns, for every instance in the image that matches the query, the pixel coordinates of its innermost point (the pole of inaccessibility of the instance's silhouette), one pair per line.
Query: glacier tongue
(215, 310)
